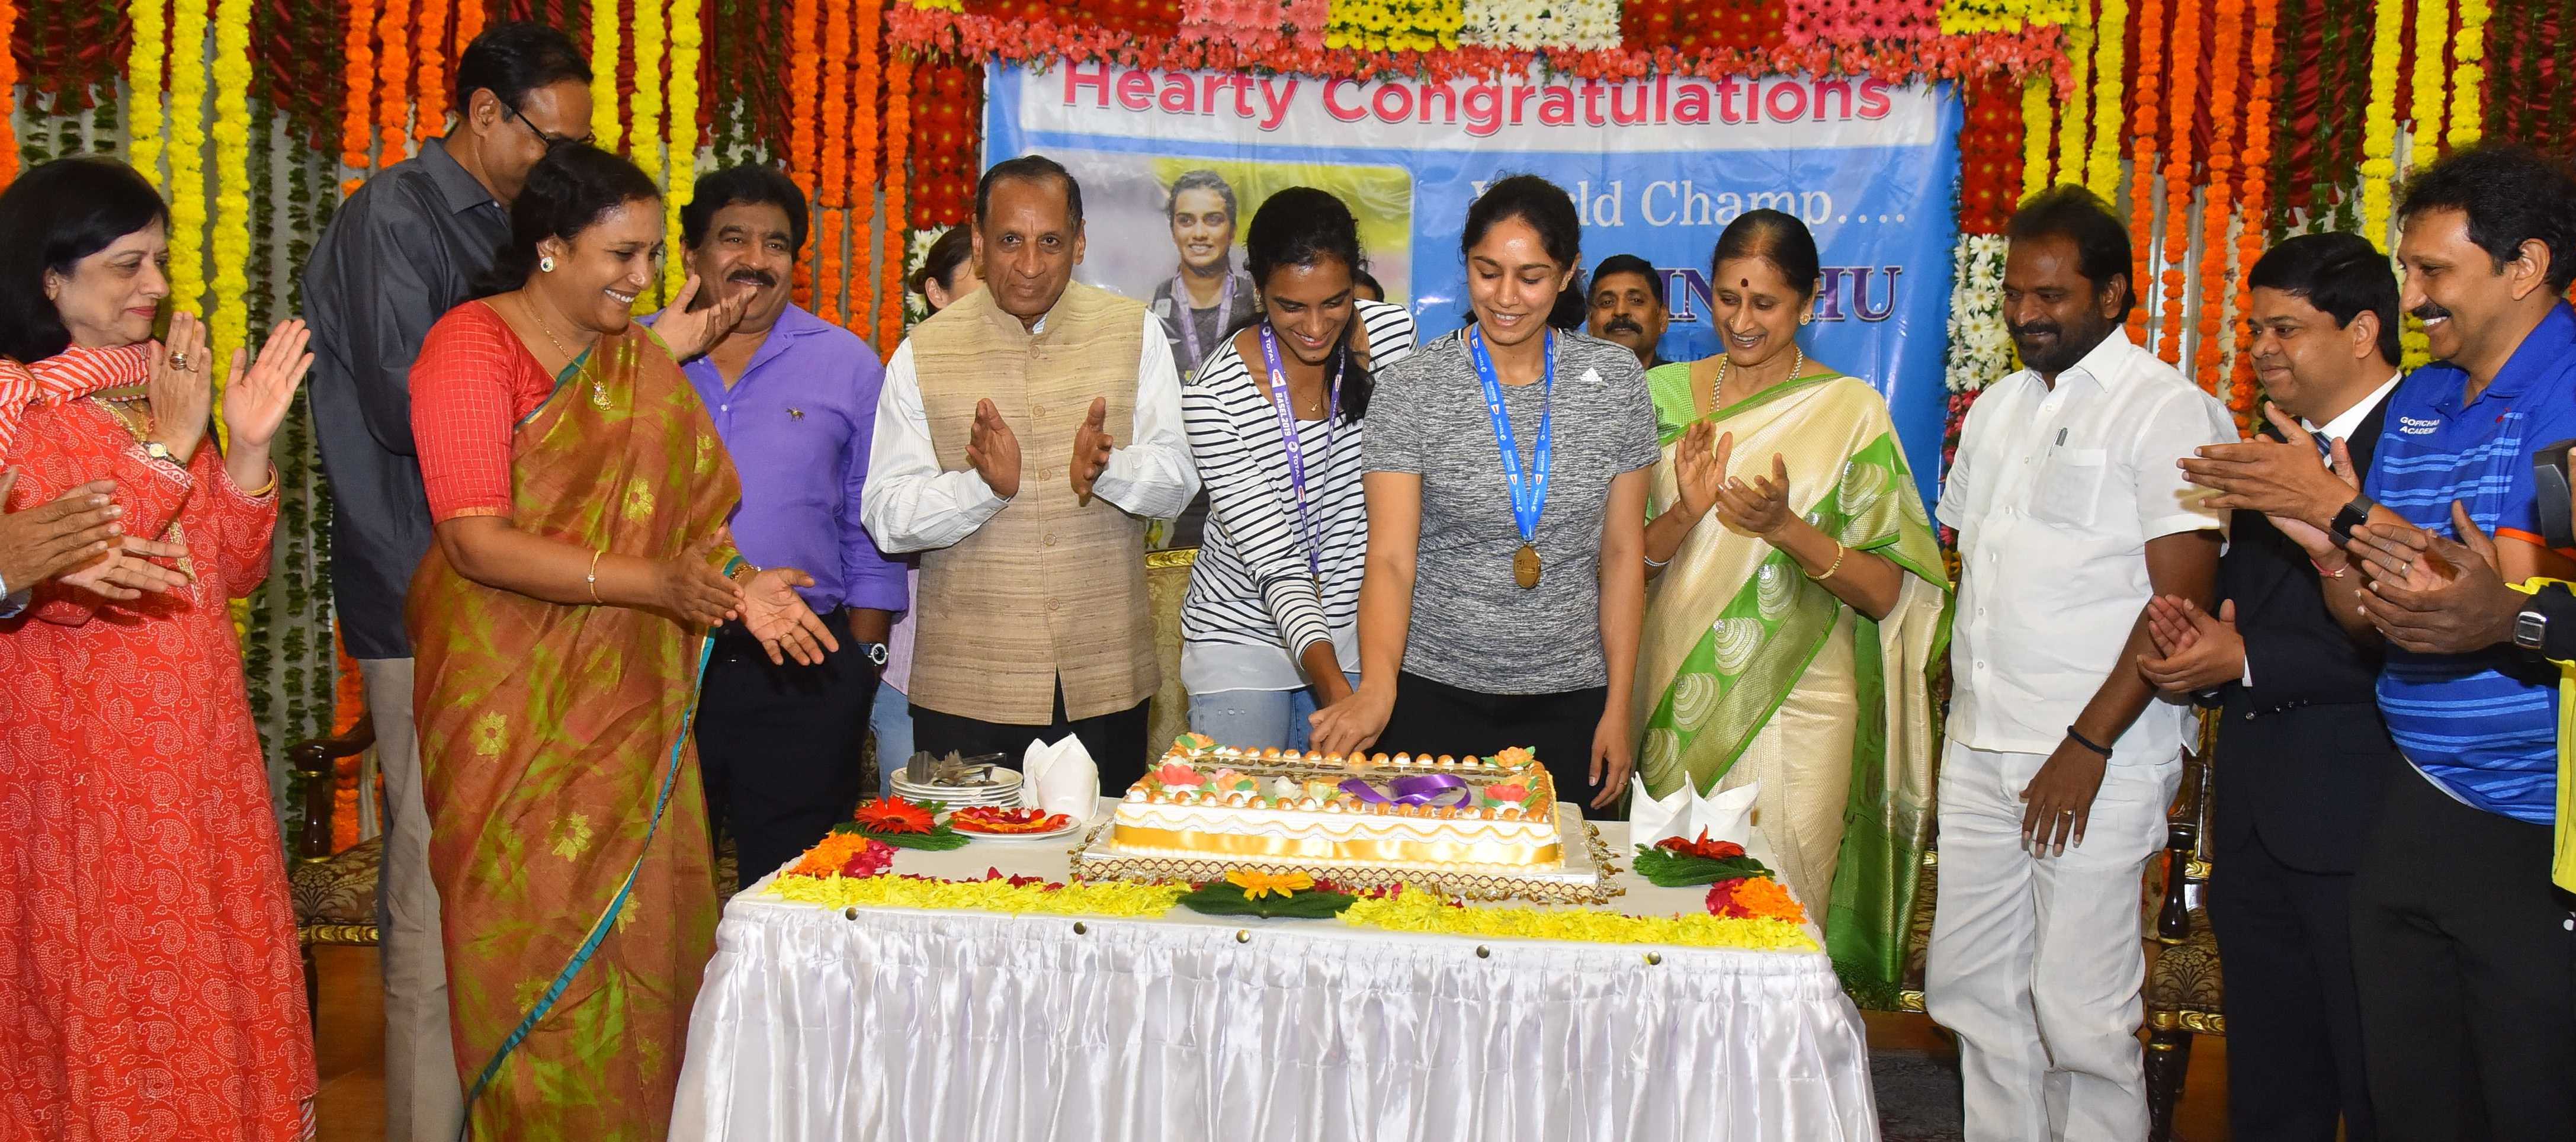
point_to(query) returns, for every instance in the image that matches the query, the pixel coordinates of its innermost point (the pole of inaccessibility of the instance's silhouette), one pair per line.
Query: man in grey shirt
(404, 250)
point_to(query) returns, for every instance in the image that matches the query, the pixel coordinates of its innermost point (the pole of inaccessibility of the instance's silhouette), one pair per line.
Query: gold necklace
(598, 392)
(1717, 388)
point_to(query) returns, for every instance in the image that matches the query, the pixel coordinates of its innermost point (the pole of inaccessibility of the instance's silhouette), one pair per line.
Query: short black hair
(752, 183)
(1631, 264)
(2512, 195)
(568, 191)
(513, 58)
(1546, 208)
(2078, 215)
(2342, 275)
(1775, 237)
(1029, 168)
(58, 214)
(953, 247)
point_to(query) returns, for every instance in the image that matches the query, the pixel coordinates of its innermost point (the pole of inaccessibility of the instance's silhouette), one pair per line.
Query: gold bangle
(1839, 552)
(594, 575)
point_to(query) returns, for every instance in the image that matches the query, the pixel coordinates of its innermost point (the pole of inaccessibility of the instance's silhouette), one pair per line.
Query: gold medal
(1525, 566)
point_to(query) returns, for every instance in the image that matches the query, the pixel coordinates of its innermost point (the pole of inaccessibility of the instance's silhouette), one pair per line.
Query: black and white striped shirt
(1252, 605)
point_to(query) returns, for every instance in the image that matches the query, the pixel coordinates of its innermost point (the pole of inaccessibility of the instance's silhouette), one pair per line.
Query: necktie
(2325, 445)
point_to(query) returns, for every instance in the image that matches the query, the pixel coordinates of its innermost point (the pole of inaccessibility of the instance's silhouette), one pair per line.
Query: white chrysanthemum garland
(1980, 349)
(1528, 25)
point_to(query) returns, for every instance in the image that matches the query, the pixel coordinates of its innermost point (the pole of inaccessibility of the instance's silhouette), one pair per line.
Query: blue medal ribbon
(1528, 486)
(1296, 447)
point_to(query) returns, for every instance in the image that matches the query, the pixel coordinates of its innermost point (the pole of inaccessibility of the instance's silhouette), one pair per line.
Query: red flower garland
(2217, 211)
(8, 91)
(1990, 154)
(2186, 103)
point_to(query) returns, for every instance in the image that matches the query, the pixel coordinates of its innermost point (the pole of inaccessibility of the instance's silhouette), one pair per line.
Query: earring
(1808, 318)
(546, 264)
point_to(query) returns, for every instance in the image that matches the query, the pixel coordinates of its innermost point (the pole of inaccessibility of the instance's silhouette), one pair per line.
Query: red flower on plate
(893, 815)
(1703, 847)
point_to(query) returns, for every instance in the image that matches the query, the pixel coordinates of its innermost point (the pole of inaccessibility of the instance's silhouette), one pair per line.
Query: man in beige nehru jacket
(999, 456)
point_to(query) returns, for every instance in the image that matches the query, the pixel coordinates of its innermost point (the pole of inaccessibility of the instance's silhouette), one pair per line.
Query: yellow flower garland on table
(2074, 115)
(2379, 121)
(2469, 73)
(1113, 898)
(2102, 171)
(688, 41)
(1415, 910)
(644, 131)
(605, 128)
(187, 189)
(143, 82)
(228, 323)
(2035, 133)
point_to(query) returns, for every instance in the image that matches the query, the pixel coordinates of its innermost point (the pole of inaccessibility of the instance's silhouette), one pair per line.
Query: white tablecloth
(949, 1026)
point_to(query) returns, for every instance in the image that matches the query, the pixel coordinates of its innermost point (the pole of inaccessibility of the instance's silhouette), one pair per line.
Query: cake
(1206, 801)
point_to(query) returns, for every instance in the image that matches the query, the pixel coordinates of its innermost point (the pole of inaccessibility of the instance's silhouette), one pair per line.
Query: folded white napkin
(1684, 813)
(1060, 778)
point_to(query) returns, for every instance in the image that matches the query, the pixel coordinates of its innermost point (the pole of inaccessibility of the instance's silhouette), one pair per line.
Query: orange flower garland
(359, 76)
(8, 93)
(864, 126)
(832, 189)
(2142, 179)
(431, 119)
(469, 22)
(393, 94)
(898, 222)
(2178, 121)
(2217, 211)
(803, 61)
(2250, 227)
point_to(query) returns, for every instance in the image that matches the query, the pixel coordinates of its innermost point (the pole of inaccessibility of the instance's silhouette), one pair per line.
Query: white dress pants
(2036, 961)
(424, 1102)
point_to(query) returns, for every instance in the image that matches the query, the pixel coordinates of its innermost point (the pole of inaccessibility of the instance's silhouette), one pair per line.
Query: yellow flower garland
(645, 132)
(228, 322)
(2035, 133)
(187, 190)
(604, 126)
(2468, 60)
(1416, 910)
(2379, 121)
(686, 40)
(2102, 174)
(2432, 36)
(1115, 898)
(143, 79)
(2073, 112)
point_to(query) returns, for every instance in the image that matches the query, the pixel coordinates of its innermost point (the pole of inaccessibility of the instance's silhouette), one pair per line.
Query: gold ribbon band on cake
(1137, 839)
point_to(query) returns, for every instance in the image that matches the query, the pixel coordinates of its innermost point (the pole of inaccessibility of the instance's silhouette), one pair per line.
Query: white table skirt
(947, 1026)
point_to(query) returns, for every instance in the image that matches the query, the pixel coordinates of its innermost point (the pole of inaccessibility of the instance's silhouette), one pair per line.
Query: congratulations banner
(1657, 166)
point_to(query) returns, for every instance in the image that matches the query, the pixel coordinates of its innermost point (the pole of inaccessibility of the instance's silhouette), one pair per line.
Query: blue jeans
(1256, 719)
(891, 718)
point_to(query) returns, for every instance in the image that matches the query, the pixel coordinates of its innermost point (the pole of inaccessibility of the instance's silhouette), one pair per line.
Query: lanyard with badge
(1188, 317)
(1528, 486)
(1279, 403)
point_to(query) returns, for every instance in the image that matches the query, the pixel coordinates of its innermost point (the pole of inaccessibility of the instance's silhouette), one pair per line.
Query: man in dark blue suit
(2302, 755)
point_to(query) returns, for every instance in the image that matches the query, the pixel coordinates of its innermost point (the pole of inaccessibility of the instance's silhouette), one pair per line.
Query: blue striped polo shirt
(2483, 726)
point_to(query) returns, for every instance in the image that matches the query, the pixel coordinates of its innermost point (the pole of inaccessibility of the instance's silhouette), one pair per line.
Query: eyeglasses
(553, 142)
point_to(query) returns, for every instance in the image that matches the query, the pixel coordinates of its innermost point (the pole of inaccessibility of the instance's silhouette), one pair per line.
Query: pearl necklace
(1717, 388)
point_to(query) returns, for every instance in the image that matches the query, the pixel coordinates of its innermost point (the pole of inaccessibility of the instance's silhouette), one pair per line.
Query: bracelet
(2088, 743)
(1839, 552)
(593, 577)
(2337, 573)
(1658, 564)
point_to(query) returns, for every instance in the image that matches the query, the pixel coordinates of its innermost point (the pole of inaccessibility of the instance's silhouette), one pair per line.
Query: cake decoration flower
(1177, 775)
(893, 815)
(1515, 757)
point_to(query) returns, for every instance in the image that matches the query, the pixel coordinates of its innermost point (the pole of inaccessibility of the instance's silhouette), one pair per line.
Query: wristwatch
(161, 452)
(2353, 515)
(2529, 628)
(876, 652)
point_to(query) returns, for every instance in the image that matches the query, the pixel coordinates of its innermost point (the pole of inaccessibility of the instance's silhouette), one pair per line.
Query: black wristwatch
(2353, 515)
(2530, 629)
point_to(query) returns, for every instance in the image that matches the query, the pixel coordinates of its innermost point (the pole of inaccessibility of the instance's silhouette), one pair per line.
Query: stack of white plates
(1004, 792)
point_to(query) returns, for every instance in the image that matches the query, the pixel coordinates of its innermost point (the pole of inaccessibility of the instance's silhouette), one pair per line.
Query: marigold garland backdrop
(2217, 125)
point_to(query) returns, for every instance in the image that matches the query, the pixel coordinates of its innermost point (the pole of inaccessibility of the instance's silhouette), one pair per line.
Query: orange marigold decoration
(865, 86)
(2217, 211)
(845, 854)
(1754, 898)
(431, 119)
(898, 221)
(359, 76)
(804, 62)
(2256, 160)
(393, 83)
(893, 815)
(832, 187)
(2178, 123)
(469, 23)
(2142, 177)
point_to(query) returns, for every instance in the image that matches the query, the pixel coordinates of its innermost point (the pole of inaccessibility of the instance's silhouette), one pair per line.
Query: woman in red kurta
(150, 986)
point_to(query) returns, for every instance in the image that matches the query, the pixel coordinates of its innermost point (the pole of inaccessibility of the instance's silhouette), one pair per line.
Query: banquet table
(946, 1026)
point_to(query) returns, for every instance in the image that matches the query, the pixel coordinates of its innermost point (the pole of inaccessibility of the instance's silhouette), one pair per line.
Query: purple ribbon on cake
(1412, 789)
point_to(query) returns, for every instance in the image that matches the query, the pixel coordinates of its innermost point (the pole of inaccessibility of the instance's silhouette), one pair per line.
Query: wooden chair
(334, 892)
(2183, 993)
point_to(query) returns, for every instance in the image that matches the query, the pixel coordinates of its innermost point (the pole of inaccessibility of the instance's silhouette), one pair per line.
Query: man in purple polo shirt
(795, 399)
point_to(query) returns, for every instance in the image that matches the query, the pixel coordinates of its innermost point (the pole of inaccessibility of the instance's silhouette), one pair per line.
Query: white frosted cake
(1206, 801)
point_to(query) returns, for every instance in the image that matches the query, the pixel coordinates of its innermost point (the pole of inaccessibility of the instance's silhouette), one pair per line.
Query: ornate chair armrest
(2187, 825)
(312, 761)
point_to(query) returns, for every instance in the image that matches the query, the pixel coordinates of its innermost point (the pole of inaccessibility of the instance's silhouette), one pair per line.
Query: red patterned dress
(150, 983)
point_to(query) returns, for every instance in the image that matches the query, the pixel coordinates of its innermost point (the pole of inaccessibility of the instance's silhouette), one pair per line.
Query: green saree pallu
(1749, 671)
(568, 830)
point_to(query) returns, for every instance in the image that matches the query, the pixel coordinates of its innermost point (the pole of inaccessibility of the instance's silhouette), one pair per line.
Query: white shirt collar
(2101, 364)
(2342, 426)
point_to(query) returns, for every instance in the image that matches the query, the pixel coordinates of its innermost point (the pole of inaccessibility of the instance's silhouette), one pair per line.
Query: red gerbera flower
(893, 815)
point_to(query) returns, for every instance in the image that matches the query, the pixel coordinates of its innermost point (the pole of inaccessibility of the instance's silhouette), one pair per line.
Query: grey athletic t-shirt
(1473, 627)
